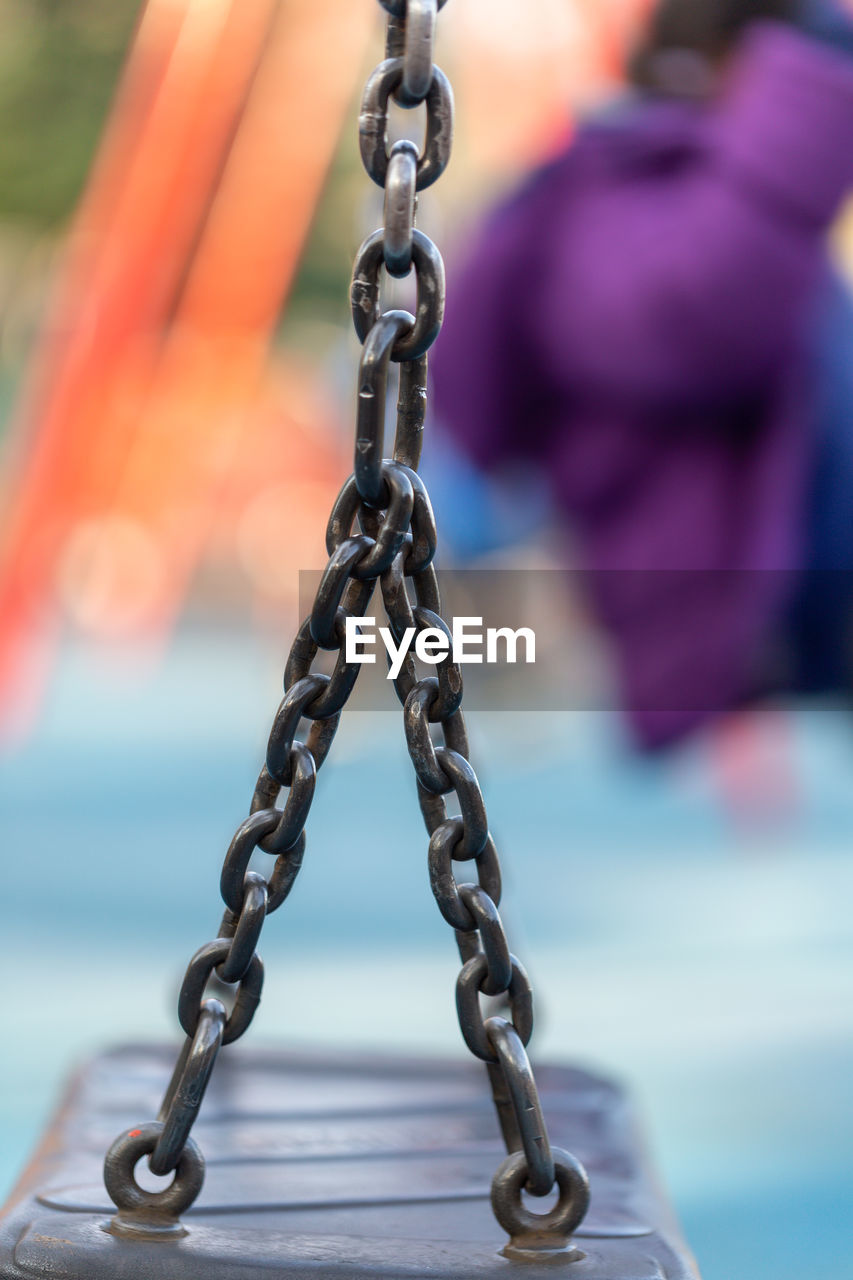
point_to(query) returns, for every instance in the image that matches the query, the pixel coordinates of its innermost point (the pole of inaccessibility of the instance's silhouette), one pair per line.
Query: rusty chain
(394, 546)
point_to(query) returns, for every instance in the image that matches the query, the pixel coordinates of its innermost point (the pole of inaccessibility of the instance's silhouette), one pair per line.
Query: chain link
(381, 530)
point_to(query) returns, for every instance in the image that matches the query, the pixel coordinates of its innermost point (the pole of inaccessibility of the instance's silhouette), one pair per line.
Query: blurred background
(180, 202)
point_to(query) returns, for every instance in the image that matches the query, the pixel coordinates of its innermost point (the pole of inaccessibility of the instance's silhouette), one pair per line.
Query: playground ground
(703, 957)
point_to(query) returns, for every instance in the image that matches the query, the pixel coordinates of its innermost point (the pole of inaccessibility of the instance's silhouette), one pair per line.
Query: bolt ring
(124, 1190)
(561, 1221)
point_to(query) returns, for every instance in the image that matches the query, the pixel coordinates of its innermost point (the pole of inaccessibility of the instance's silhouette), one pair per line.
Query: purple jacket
(634, 320)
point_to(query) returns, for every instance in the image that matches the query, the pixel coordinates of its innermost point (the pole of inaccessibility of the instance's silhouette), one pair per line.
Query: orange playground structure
(158, 419)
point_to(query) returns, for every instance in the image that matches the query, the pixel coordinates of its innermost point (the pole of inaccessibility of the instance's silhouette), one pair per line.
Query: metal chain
(394, 545)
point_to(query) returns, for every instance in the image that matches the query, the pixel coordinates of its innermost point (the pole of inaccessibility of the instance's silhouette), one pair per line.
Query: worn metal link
(372, 397)
(469, 986)
(411, 411)
(461, 779)
(420, 550)
(330, 594)
(422, 750)
(291, 710)
(381, 530)
(515, 1067)
(493, 940)
(199, 970)
(443, 841)
(385, 81)
(302, 779)
(401, 201)
(388, 527)
(418, 40)
(327, 705)
(244, 928)
(187, 1087)
(416, 620)
(395, 35)
(397, 8)
(429, 308)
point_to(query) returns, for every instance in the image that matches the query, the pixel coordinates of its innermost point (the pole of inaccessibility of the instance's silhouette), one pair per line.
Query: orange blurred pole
(211, 364)
(41, 446)
(168, 187)
(186, 80)
(607, 37)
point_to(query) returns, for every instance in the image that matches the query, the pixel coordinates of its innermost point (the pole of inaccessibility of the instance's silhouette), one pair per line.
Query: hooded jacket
(636, 322)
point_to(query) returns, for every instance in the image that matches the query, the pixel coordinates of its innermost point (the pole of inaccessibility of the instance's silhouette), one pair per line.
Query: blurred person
(654, 323)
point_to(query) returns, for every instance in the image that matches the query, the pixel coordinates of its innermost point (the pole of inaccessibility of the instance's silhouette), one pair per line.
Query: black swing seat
(328, 1166)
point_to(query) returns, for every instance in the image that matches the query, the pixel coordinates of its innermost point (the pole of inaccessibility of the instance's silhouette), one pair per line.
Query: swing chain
(471, 909)
(394, 546)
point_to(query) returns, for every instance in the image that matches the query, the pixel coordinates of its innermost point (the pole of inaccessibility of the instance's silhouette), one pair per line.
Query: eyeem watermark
(469, 641)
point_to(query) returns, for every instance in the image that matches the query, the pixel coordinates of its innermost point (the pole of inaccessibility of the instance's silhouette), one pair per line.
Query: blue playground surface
(706, 960)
